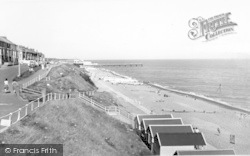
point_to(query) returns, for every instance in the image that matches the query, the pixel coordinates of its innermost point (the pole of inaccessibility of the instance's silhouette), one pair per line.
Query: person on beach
(219, 89)
(6, 85)
(218, 129)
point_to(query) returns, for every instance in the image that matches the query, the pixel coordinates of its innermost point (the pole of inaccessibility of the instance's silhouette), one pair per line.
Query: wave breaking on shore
(201, 97)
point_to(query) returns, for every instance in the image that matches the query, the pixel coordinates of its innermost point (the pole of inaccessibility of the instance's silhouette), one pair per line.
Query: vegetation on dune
(86, 78)
(69, 78)
(26, 74)
(105, 98)
(63, 79)
(82, 129)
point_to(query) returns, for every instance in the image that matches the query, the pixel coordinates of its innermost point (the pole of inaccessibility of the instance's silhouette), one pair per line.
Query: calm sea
(224, 80)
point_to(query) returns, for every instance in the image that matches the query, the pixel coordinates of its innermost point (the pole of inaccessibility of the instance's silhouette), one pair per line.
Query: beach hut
(168, 143)
(160, 121)
(153, 129)
(206, 152)
(139, 117)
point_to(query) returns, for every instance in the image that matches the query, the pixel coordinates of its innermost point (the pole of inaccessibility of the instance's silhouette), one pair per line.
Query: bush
(27, 73)
(86, 78)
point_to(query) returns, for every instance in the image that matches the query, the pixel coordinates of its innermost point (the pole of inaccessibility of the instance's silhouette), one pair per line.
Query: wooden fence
(111, 110)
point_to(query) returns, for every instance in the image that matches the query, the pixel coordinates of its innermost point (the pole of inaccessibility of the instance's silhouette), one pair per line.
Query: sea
(226, 81)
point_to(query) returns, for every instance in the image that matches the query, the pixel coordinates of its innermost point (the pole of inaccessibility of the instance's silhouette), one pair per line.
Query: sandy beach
(206, 116)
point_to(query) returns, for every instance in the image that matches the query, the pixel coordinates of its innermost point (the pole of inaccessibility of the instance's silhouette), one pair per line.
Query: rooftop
(170, 129)
(145, 116)
(206, 152)
(4, 39)
(161, 121)
(180, 139)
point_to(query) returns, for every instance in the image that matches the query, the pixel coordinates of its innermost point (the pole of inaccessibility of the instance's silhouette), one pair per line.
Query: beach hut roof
(170, 129)
(180, 139)
(139, 117)
(161, 121)
(206, 152)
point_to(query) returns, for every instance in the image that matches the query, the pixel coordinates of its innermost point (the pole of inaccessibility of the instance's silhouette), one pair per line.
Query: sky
(123, 29)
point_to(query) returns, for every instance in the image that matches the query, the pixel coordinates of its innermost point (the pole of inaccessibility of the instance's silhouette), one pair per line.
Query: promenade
(9, 101)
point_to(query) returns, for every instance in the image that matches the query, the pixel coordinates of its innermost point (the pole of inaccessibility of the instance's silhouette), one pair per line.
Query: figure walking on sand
(218, 129)
(219, 89)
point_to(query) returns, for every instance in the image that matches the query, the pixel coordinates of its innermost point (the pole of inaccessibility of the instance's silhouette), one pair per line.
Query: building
(154, 129)
(11, 54)
(206, 152)
(28, 54)
(8, 52)
(139, 117)
(160, 121)
(168, 143)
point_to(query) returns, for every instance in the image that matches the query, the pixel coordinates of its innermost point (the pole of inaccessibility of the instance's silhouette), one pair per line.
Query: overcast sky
(123, 29)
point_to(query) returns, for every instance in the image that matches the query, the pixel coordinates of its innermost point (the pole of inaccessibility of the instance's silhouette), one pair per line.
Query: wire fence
(14, 117)
(32, 81)
(111, 110)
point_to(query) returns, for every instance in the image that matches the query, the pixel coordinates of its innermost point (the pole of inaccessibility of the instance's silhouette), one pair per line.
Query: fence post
(19, 113)
(44, 98)
(26, 109)
(59, 96)
(38, 102)
(10, 118)
(118, 110)
(55, 96)
(32, 106)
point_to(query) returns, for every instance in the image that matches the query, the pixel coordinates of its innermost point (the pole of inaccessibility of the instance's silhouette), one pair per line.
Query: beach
(207, 116)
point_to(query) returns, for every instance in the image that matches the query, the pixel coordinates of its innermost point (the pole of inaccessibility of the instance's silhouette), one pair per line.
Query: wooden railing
(32, 81)
(111, 110)
(14, 117)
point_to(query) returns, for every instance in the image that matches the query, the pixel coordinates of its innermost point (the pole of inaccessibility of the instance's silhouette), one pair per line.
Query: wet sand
(206, 116)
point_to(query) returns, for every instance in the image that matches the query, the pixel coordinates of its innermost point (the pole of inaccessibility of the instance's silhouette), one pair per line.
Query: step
(30, 91)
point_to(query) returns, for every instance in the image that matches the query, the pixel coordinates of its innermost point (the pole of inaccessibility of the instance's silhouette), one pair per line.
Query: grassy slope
(72, 79)
(82, 129)
(26, 74)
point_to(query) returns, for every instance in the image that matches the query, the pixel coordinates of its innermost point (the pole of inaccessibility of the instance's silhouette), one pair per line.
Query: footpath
(10, 101)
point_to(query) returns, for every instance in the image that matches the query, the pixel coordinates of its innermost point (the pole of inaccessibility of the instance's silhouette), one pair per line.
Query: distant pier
(116, 65)
(120, 65)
